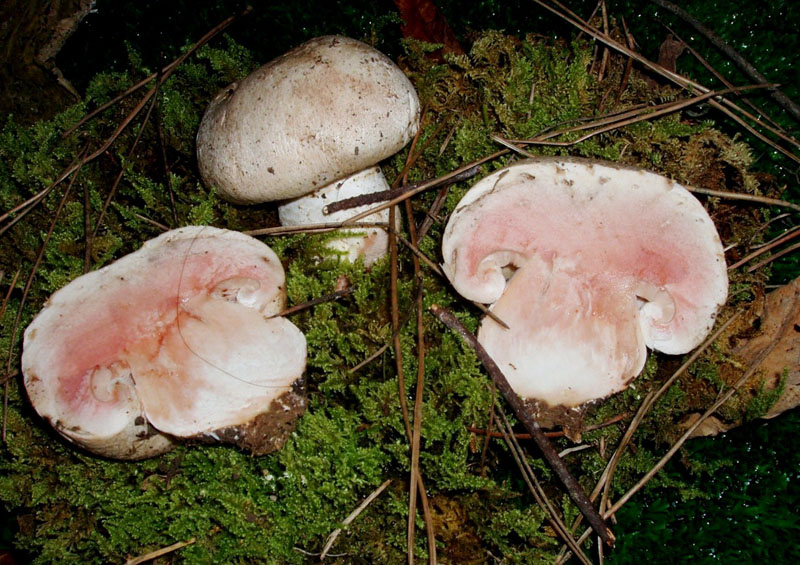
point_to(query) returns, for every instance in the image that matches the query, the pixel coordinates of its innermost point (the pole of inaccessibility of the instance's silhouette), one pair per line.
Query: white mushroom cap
(173, 340)
(330, 108)
(609, 260)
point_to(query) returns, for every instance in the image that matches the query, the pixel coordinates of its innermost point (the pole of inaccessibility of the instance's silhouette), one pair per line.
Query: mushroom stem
(371, 243)
(575, 491)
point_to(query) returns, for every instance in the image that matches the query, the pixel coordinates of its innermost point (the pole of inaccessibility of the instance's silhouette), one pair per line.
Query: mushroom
(311, 125)
(176, 340)
(588, 263)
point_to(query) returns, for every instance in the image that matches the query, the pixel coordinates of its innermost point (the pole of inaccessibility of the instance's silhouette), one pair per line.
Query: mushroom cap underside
(173, 339)
(607, 260)
(325, 110)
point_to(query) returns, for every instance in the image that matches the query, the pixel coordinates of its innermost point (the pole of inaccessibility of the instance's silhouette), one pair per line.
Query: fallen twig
(609, 422)
(336, 295)
(425, 186)
(415, 481)
(621, 120)
(352, 516)
(791, 234)
(399, 192)
(785, 102)
(771, 258)
(644, 408)
(561, 11)
(745, 197)
(165, 72)
(536, 489)
(159, 552)
(28, 283)
(570, 483)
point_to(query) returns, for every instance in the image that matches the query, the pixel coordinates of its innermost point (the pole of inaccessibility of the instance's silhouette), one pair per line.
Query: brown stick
(27, 288)
(745, 197)
(425, 186)
(165, 72)
(570, 483)
(313, 302)
(723, 398)
(785, 102)
(680, 80)
(647, 113)
(9, 374)
(790, 235)
(775, 127)
(159, 552)
(645, 406)
(113, 190)
(536, 488)
(415, 482)
(778, 255)
(384, 195)
(352, 516)
(609, 422)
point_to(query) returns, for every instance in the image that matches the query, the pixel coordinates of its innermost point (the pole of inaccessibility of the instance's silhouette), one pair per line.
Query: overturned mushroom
(588, 263)
(175, 340)
(312, 126)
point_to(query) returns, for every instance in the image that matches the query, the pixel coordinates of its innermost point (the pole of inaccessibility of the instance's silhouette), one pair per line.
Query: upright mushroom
(311, 125)
(176, 340)
(588, 263)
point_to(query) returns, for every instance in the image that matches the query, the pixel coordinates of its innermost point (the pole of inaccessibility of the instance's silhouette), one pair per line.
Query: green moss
(765, 398)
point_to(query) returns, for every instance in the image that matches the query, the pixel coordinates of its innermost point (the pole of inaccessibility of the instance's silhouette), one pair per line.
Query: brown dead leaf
(774, 323)
(424, 22)
(780, 323)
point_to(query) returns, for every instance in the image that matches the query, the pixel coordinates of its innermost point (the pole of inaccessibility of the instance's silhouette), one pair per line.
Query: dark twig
(392, 193)
(785, 102)
(609, 422)
(76, 165)
(163, 152)
(626, 74)
(570, 483)
(488, 432)
(336, 295)
(426, 185)
(775, 127)
(644, 408)
(165, 72)
(438, 270)
(415, 482)
(87, 230)
(771, 258)
(438, 203)
(28, 283)
(9, 374)
(395, 319)
(563, 12)
(160, 552)
(352, 516)
(535, 487)
(723, 398)
(621, 120)
(745, 197)
(790, 235)
(113, 190)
